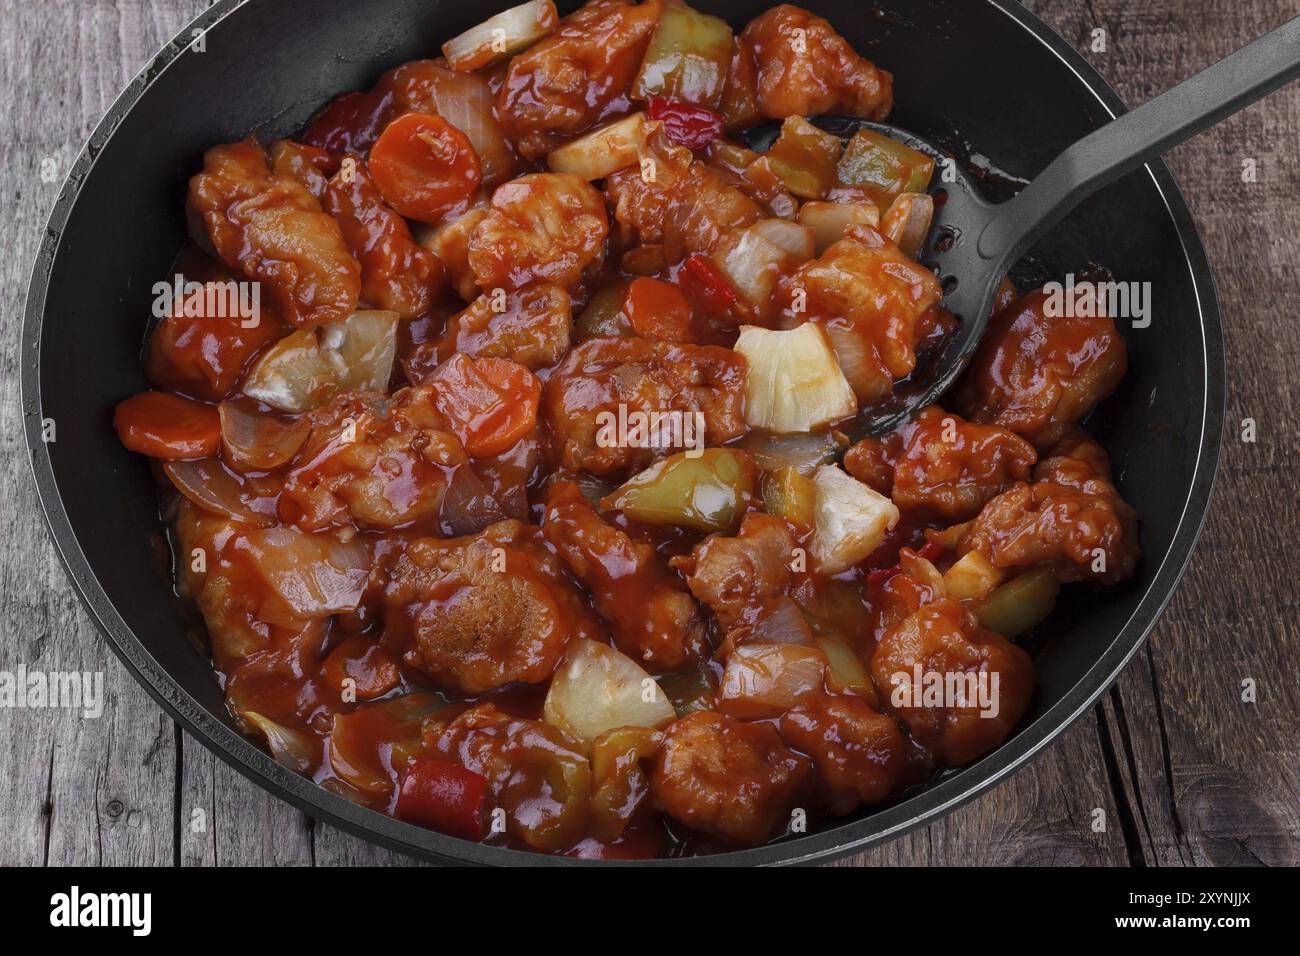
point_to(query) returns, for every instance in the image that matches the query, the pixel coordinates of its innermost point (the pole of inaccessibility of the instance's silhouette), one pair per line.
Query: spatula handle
(1140, 135)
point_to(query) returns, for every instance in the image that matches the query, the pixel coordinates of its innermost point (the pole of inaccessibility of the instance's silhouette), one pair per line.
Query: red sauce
(391, 493)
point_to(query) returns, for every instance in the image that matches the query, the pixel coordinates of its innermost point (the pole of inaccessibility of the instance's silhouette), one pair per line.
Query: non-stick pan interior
(966, 73)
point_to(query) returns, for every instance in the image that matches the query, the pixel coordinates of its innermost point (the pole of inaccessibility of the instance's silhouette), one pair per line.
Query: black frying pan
(983, 78)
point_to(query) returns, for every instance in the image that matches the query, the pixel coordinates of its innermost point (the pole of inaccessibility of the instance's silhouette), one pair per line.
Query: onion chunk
(766, 680)
(257, 442)
(501, 36)
(315, 575)
(602, 151)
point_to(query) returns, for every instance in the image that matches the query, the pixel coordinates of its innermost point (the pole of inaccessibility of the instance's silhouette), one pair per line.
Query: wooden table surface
(1186, 772)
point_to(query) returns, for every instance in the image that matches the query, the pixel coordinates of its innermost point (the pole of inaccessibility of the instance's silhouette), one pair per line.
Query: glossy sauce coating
(577, 76)
(446, 567)
(397, 275)
(1038, 374)
(272, 229)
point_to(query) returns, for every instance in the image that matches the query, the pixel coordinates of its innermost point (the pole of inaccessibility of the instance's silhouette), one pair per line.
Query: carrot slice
(424, 167)
(167, 426)
(372, 669)
(658, 310)
(490, 403)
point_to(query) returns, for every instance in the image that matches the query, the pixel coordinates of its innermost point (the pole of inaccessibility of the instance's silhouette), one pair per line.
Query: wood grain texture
(1186, 772)
(1208, 778)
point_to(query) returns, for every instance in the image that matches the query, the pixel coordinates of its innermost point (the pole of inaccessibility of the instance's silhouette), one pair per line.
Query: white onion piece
(466, 101)
(593, 487)
(596, 689)
(350, 752)
(501, 36)
(468, 505)
(828, 220)
(803, 451)
(602, 151)
(290, 748)
(861, 372)
(766, 680)
(845, 672)
(782, 623)
(292, 375)
(790, 236)
(362, 349)
(255, 442)
(907, 222)
(752, 264)
(972, 578)
(314, 574)
(216, 489)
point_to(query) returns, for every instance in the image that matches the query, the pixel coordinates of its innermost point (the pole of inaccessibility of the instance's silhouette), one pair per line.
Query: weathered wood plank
(1212, 779)
(227, 820)
(94, 791)
(1042, 816)
(1186, 772)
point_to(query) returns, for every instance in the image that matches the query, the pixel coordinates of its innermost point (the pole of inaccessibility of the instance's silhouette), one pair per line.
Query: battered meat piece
(577, 76)
(643, 376)
(858, 753)
(397, 274)
(684, 207)
(1041, 375)
(872, 461)
(534, 330)
(869, 297)
(654, 620)
(735, 781)
(534, 772)
(944, 642)
(225, 589)
(484, 611)
(1071, 519)
(1074, 461)
(371, 460)
(952, 468)
(804, 68)
(450, 243)
(201, 347)
(737, 577)
(272, 229)
(543, 227)
(310, 165)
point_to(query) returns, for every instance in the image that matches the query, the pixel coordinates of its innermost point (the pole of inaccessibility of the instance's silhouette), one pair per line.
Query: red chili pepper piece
(685, 123)
(706, 287)
(932, 551)
(881, 575)
(444, 797)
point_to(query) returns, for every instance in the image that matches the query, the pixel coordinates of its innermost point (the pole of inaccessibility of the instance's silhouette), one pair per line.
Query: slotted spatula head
(970, 281)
